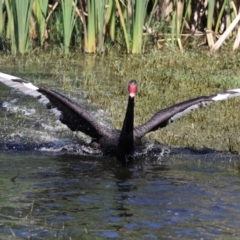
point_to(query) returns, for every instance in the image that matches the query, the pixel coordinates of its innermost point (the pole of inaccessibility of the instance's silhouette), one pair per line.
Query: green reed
(1, 18)
(19, 13)
(137, 25)
(100, 24)
(132, 16)
(69, 17)
(111, 19)
(10, 32)
(210, 13)
(150, 22)
(40, 8)
(123, 24)
(99, 15)
(91, 28)
(70, 23)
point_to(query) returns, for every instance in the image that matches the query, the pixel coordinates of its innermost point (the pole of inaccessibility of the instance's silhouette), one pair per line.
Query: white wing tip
(220, 96)
(10, 77)
(7, 76)
(30, 86)
(234, 90)
(225, 95)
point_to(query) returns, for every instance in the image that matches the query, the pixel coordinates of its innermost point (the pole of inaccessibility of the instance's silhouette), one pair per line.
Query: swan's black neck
(126, 141)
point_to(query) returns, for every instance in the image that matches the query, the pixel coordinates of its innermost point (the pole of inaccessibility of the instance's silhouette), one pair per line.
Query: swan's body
(119, 142)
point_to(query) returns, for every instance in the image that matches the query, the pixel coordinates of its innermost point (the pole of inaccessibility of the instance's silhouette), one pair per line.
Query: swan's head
(132, 88)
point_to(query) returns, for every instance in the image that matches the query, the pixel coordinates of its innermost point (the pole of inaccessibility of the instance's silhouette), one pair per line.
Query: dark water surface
(52, 195)
(184, 196)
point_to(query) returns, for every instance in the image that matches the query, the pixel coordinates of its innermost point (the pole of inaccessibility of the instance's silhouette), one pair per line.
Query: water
(78, 197)
(56, 195)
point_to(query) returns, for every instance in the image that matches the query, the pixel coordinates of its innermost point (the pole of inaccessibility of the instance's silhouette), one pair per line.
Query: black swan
(122, 142)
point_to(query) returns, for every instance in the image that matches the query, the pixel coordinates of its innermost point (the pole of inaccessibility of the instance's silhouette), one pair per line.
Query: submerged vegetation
(97, 26)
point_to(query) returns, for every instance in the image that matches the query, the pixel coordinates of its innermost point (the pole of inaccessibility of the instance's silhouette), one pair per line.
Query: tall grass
(150, 22)
(20, 12)
(91, 37)
(111, 18)
(122, 21)
(40, 8)
(1, 18)
(99, 14)
(10, 28)
(138, 23)
(210, 18)
(132, 17)
(100, 22)
(69, 17)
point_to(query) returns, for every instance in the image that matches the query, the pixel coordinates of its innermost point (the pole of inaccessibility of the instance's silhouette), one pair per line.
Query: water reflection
(67, 196)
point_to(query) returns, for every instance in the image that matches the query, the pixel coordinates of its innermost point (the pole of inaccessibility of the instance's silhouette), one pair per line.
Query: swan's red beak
(132, 88)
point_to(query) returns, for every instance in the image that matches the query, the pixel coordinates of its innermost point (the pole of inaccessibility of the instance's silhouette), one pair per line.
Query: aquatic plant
(122, 21)
(128, 23)
(69, 17)
(1, 19)
(40, 8)
(138, 23)
(19, 13)
(100, 14)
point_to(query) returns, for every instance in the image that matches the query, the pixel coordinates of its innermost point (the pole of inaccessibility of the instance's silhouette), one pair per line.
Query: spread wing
(169, 115)
(67, 111)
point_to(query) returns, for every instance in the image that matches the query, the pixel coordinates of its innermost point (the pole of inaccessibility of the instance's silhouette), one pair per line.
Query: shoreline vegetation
(126, 26)
(163, 79)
